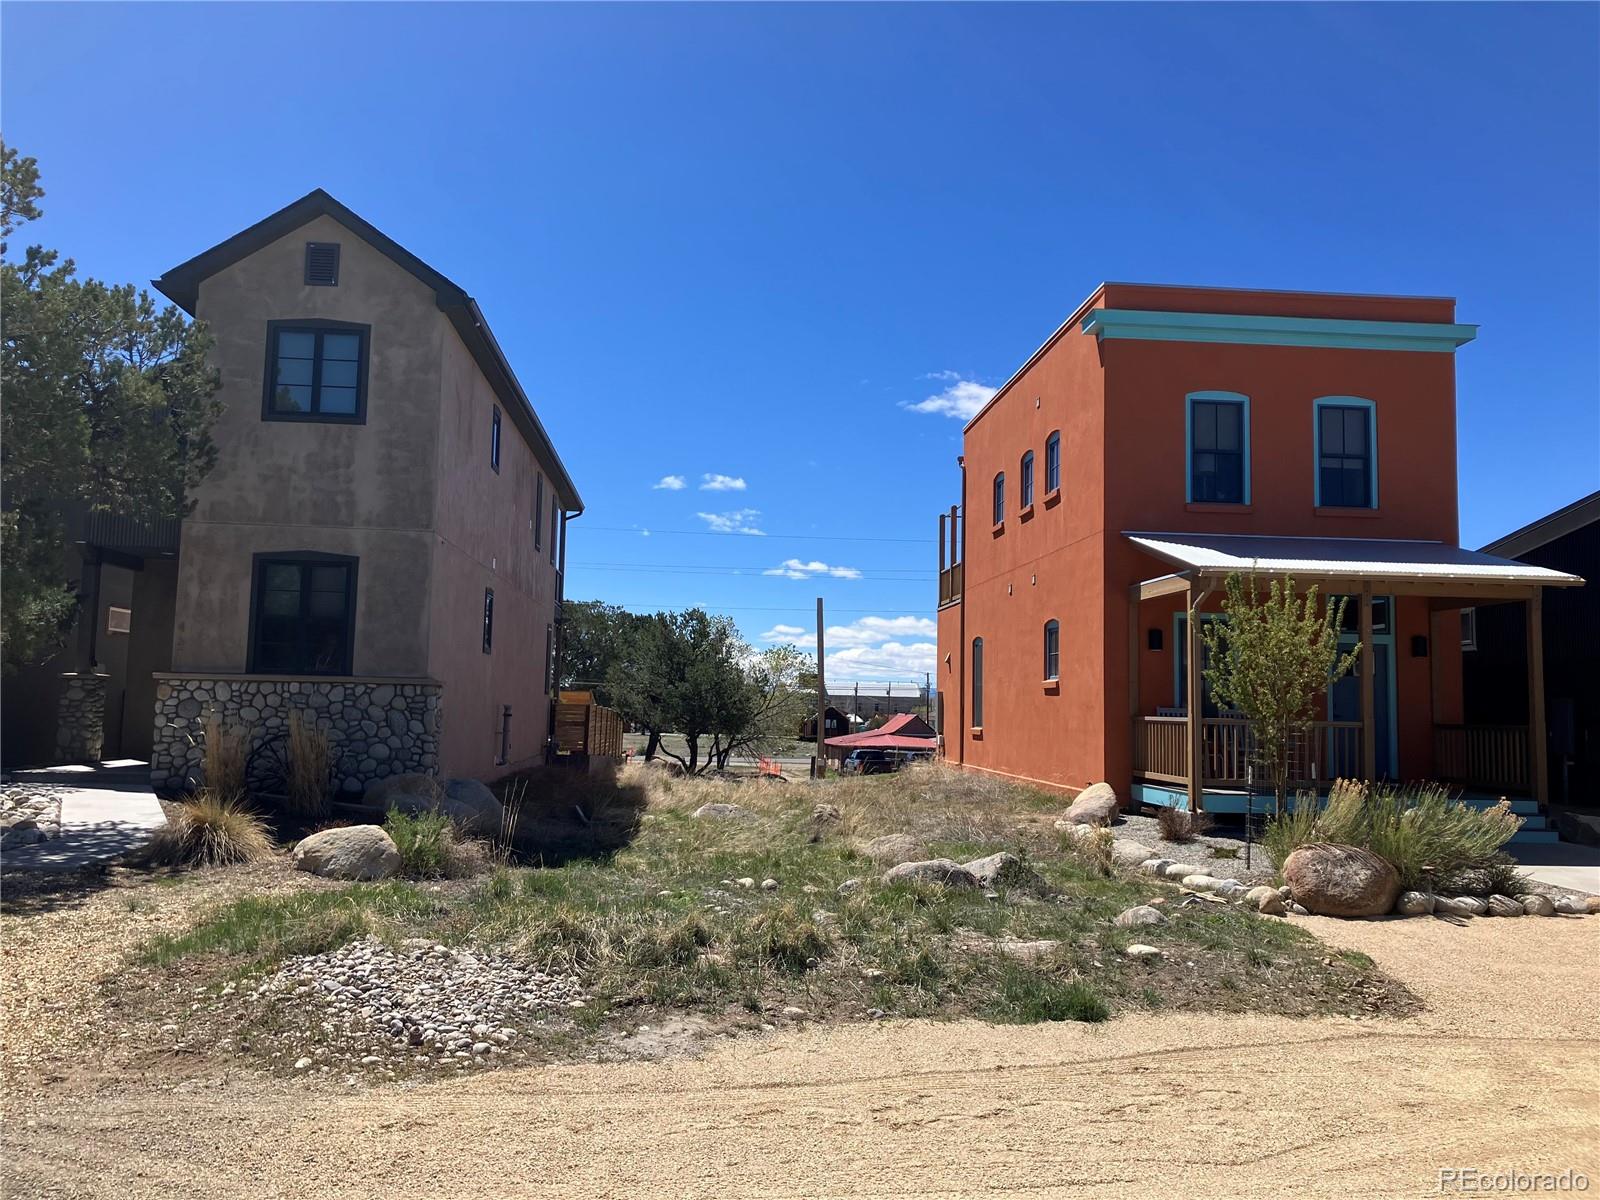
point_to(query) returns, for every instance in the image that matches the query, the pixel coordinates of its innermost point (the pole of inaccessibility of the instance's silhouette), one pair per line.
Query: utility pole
(821, 767)
(858, 702)
(927, 697)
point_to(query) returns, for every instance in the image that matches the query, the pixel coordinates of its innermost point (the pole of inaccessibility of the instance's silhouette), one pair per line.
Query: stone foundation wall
(375, 727)
(81, 718)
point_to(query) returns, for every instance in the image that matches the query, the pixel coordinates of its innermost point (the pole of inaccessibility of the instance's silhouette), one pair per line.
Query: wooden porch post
(1369, 741)
(1536, 730)
(1133, 651)
(1192, 696)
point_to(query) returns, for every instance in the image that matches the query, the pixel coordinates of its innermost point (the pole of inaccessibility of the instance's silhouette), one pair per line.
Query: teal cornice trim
(1140, 325)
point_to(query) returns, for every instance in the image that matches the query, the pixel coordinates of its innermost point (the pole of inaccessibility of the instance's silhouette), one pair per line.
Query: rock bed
(425, 1005)
(1219, 854)
(28, 816)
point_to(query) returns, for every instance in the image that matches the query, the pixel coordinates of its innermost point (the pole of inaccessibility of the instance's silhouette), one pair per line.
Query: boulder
(719, 812)
(1256, 895)
(1200, 882)
(942, 871)
(1535, 905)
(825, 815)
(1155, 866)
(1572, 905)
(1076, 831)
(1299, 910)
(380, 794)
(1341, 881)
(472, 806)
(1095, 805)
(1141, 952)
(1129, 853)
(1140, 914)
(349, 852)
(1229, 889)
(894, 848)
(1414, 904)
(1005, 870)
(1459, 906)
(1504, 906)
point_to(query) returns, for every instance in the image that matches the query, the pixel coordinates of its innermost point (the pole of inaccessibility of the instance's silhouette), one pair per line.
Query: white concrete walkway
(106, 811)
(1561, 864)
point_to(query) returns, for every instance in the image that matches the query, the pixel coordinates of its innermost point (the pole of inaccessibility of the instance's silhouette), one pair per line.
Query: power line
(653, 606)
(891, 575)
(652, 531)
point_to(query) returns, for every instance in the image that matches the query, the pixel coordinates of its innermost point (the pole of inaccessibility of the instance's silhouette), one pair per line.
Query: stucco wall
(484, 540)
(283, 485)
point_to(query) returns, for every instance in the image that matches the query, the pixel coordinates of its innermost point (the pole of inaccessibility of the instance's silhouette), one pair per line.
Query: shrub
(224, 755)
(208, 830)
(429, 847)
(310, 766)
(1432, 841)
(1181, 825)
(785, 937)
(1091, 847)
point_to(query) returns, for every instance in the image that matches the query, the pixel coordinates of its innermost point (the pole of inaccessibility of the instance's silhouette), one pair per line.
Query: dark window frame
(302, 559)
(494, 441)
(337, 255)
(1224, 487)
(1000, 498)
(1052, 649)
(977, 683)
(1052, 462)
(318, 328)
(1338, 461)
(1025, 482)
(555, 513)
(488, 620)
(538, 511)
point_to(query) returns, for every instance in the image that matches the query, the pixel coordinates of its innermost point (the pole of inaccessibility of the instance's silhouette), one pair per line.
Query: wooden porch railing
(950, 580)
(1161, 751)
(1483, 756)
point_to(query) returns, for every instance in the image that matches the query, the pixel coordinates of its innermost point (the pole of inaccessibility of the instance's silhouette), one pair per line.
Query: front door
(1344, 704)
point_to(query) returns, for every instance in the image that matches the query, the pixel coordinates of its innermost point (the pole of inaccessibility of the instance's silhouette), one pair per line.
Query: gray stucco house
(381, 542)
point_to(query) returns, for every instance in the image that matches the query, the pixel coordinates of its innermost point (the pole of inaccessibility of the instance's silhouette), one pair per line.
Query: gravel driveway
(1498, 1073)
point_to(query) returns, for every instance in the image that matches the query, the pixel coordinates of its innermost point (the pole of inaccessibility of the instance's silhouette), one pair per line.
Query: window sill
(976, 733)
(1322, 511)
(1052, 686)
(1205, 506)
(999, 528)
(1026, 514)
(1051, 499)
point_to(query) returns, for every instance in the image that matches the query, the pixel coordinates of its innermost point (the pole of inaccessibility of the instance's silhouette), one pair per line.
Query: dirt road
(1502, 1072)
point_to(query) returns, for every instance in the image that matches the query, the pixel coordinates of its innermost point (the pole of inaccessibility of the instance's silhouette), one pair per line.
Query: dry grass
(208, 830)
(310, 766)
(224, 752)
(1181, 825)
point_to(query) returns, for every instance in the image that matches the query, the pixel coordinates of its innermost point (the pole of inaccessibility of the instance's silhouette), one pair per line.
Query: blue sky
(741, 242)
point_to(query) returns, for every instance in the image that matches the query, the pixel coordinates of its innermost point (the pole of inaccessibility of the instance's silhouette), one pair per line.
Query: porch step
(1519, 805)
(1526, 836)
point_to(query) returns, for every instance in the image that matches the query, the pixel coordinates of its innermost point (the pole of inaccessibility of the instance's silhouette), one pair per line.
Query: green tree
(593, 638)
(1270, 658)
(109, 402)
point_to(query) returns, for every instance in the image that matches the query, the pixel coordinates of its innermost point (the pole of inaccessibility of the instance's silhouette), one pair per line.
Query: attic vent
(322, 264)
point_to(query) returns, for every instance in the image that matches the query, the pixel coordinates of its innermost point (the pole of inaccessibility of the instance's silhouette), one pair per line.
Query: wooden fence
(1483, 756)
(588, 729)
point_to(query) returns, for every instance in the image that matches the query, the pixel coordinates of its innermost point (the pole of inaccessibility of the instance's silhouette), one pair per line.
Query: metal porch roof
(1213, 554)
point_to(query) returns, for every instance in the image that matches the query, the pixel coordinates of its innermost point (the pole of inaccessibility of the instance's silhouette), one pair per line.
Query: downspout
(961, 645)
(560, 621)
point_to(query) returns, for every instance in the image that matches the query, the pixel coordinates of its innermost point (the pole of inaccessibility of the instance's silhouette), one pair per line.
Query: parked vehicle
(881, 762)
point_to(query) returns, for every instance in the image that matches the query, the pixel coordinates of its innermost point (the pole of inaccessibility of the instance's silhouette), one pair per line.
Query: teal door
(1344, 704)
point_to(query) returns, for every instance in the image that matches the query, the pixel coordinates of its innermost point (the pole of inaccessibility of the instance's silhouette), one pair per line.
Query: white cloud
(720, 483)
(670, 483)
(872, 649)
(740, 520)
(962, 399)
(779, 634)
(793, 568)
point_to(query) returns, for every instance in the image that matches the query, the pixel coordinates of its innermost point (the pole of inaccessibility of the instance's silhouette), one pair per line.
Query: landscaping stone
(1139, 914)
(1155, 866)
(1572, 905)
(719, 812)
(1341, 881)
(824, 816)
(769, 885)
(1460, 906)
(1130, 853)
(380, 793)
(472, 806)
(1095, 805)
(28, 817)
(349, 852)
(1005, 870)
(1535, 905)
(893, 849)
(1142, 952)
(1504, 906)
(848, 886)
(1299, 910)
(1179, 870)
(1198, 882)
(934, 870)
(1264, 899)
(1414, 904)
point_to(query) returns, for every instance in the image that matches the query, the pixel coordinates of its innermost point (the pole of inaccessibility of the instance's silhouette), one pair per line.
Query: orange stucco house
(1164, 437)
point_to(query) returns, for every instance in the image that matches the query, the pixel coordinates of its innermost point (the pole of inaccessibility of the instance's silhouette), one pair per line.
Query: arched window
(1052, 461)
(1000, 498)
(977, 683)
(1052, 650)
(1027, 479)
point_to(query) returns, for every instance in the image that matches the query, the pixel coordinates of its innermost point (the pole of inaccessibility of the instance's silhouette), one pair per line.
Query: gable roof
(1547, 528)
(181, 285)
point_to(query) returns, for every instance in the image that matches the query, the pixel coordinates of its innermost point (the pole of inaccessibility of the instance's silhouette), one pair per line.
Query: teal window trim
(1243, 329)
(1372, 442)
(1188, 437)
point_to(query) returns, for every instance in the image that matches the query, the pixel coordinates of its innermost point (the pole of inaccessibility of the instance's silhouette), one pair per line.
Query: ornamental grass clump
(310, 765)
(223, 758)
(208, 830)
(1433, 842)
(430, 847)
